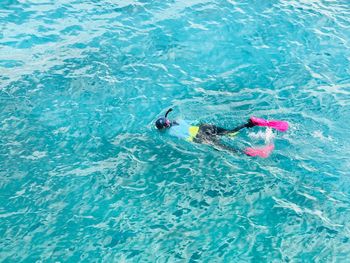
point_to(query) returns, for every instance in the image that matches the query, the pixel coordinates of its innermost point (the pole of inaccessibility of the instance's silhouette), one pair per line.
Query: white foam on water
(266, 135)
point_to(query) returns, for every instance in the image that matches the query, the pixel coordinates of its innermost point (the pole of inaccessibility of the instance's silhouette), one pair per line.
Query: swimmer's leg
(209, 132)
(208, 135)
(222, 131)
(218, 145)
(262, 152)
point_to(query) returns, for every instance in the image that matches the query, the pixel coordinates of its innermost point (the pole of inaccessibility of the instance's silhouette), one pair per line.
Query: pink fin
(278, 125)
(263, 152)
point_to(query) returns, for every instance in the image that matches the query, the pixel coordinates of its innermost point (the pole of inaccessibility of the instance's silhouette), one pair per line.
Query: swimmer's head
(163, 122)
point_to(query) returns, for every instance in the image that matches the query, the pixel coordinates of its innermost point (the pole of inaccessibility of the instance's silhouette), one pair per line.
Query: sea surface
(84, 175)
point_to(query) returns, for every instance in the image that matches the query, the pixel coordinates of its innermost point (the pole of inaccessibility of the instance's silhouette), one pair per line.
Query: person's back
(180, 130)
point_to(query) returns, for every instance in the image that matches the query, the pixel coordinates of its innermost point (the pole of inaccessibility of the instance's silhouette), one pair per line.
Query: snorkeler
(210, 134)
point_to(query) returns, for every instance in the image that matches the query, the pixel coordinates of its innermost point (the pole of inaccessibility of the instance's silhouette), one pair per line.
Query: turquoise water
(84, 175)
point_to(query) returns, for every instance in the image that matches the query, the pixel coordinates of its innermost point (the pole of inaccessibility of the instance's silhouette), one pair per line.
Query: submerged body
(204, 133)
(210, 134)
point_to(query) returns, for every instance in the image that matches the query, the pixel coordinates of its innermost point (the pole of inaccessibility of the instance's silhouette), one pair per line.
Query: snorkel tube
(167, 112)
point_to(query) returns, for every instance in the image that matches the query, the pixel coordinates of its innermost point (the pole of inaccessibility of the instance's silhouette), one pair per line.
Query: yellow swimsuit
(193, 131)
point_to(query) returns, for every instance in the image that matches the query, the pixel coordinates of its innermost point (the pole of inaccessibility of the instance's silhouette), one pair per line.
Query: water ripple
(84, 175)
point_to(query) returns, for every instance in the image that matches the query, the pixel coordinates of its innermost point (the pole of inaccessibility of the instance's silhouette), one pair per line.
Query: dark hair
(160, 123)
